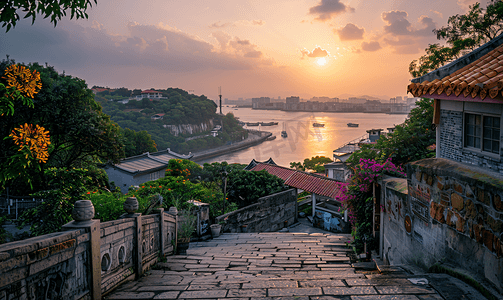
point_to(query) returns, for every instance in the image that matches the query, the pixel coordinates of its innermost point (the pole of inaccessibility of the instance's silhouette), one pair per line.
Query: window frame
(480, 149)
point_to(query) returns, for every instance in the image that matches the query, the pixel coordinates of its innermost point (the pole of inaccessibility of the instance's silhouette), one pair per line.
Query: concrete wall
(270, 213)
(456, 216)
(61, 266)
(451, 134)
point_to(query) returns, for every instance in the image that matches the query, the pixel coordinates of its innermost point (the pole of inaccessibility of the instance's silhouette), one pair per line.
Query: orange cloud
(317, 52)
(350, 32)
(326, 9)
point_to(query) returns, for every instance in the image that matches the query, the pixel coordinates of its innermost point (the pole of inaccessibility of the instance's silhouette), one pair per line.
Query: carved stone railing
(89, 258)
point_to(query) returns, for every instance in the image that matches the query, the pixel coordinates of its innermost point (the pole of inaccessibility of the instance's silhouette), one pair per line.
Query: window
(482, 132)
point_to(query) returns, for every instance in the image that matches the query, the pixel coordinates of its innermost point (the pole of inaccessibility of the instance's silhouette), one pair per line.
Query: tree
(55, 9)
(137, 143)
(462, 34)
(315, 164)
(80, 132)
(410, 141)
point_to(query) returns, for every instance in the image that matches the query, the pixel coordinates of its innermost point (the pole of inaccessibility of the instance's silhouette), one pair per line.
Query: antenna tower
(220, 95)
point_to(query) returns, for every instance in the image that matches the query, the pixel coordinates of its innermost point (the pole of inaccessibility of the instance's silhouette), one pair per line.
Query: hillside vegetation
(179, 108)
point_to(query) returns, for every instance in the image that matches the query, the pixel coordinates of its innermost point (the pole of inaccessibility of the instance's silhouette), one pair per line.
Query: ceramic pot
(215, 230)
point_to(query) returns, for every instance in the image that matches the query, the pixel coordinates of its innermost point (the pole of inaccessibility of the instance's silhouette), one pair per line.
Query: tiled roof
(313, 183)
(477, 75)
(140, 164)
(281, 172)
(149, 162)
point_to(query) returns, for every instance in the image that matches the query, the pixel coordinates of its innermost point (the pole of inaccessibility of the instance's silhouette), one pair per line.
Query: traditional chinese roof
(148, 162)
(253, 163)
(309, 182)
(477, 75)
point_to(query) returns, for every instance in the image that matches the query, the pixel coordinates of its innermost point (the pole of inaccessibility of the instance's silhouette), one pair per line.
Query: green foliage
(52, 9)
(409, 142)
(5, 236)
(137, 143)
(462, 34)
(315, 164)
(81, 134)
(182, 167)
(187, 224)
(63, 188)
(246, 187)
(179, 107)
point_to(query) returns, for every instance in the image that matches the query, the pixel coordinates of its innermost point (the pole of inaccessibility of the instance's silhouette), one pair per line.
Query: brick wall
(456, 215)
(270, 213)
(451, 143)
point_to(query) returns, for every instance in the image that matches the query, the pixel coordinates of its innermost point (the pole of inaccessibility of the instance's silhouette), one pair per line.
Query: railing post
(131, 206)
(162, 231)
(83, 212)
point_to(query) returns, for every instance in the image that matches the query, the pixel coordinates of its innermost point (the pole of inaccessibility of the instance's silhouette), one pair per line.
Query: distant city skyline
(249, 48)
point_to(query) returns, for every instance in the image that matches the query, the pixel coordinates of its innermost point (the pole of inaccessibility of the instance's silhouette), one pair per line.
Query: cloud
(403, 36)
(465, 4)
(159, 47)
(350, 32)
(398, 25)
(371, 46)
(326, 9)
(237, 23)
(236, 46)
(317, 52)
(221, 25)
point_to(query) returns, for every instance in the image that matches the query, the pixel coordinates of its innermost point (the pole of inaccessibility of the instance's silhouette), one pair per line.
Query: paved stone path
(279, 265)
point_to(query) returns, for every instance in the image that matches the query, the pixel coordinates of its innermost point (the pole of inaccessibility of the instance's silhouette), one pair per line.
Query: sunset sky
(251, 48)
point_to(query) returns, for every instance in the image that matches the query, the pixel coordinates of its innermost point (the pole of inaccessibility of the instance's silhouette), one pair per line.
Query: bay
(304, 140)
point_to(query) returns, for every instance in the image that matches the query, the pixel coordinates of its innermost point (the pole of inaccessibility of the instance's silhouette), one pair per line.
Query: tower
(220, 95)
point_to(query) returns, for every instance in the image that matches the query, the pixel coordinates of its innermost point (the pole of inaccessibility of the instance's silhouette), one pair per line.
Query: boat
(252, 123)
(352, 125)
(283, 133)
(271, 138)
(268, 123)
(318, 125)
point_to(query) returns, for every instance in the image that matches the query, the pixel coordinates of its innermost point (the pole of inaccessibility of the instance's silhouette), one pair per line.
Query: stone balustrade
(89, 258)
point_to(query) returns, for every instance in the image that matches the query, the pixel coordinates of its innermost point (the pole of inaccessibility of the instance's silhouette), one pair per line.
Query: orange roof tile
(481, 77)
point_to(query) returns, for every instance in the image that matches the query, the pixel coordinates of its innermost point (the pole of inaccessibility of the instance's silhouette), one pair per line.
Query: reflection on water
(304, 140)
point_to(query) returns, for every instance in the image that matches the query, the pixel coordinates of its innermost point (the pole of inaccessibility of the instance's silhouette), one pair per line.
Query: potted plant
(186, 227)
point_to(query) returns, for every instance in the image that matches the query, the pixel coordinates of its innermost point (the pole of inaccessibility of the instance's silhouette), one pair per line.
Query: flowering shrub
(357, 197)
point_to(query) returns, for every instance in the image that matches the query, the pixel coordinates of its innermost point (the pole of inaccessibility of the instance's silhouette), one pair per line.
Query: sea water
(304, 140)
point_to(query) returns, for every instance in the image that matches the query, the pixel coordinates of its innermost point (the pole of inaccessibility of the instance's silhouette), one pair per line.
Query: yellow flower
(35, 139)
(25, 81)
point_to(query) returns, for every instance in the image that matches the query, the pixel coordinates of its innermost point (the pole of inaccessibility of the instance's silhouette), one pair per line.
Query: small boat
(284, 134)
(268, 123)
(252, 124)
(352, 125)
(271, 138)
(318, 125)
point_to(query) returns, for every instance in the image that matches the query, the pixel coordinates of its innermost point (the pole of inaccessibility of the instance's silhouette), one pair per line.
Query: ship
(283, 133)
(352, 125)
(318, 125)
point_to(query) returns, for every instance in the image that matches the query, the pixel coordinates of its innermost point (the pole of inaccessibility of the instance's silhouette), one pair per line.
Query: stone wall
(51, 266)
(270, 213)
(451, 212)
(61, 264)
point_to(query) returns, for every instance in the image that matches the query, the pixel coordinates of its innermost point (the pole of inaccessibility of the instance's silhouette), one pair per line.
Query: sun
(321, 61)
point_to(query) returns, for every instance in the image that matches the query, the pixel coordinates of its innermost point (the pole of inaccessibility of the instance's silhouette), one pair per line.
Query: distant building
(150, 94)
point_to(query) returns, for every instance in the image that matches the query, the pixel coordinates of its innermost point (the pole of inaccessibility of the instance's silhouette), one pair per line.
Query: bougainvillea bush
(357, 198)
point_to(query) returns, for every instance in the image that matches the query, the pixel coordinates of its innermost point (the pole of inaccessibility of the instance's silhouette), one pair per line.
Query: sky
(251, 48)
